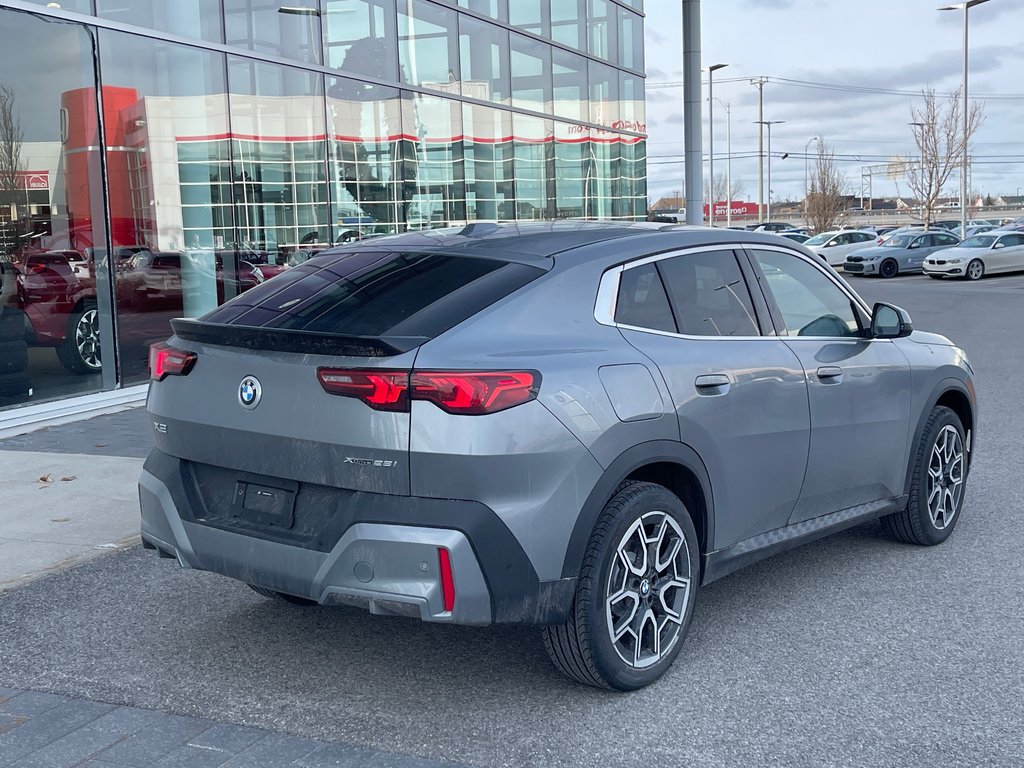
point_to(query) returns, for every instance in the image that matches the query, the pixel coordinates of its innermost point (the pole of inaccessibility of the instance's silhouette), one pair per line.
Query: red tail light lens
(379, 389)
(467, 393)
(167, 361)
(473, 394)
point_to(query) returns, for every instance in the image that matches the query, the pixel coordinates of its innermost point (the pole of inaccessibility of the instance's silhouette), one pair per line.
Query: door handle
(712, 384)
(830, 374)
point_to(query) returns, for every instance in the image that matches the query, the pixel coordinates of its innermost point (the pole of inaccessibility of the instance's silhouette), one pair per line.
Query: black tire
(14, 385)
(12, 325)
(975, 274)
(582, 647)
(915, 524)
(275, 595)
(68, 352)
(13, 357)
(888, 268)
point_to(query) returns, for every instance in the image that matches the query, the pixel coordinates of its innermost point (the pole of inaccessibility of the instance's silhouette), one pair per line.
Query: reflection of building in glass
(238, 141)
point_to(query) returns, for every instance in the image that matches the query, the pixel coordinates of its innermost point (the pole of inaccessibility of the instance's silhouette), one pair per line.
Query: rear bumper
(387, 563)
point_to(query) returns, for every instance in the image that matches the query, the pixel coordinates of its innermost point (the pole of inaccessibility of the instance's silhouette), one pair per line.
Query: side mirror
(889, 322)
(915, 244)
(999, 244)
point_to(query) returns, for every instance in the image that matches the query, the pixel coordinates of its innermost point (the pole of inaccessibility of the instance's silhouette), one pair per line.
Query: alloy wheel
(647, 590)
(975, 270)
(87, 338)
(945, 477)
(889, 268)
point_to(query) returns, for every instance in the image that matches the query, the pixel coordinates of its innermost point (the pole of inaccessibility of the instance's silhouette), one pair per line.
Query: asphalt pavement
(852, 651)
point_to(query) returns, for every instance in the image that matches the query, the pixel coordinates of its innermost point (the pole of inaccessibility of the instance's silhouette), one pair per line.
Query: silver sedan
(903, 252)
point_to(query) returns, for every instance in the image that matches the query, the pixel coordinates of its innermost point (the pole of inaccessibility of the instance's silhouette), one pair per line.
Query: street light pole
(806, 147)
(728, 160)
(769, 123)
(963, 169)
(711, 140)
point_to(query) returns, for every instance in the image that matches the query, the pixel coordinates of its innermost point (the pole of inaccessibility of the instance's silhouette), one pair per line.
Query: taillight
(379, 389)
(467, 393)
(167, 361)
(444, 561)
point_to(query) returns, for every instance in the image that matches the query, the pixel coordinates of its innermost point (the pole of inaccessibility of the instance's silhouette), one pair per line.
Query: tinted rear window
(376, 293)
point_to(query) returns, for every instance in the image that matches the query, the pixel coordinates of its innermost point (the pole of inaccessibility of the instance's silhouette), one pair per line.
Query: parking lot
(854, 650)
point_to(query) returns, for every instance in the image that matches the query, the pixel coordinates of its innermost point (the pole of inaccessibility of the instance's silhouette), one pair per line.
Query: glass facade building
(158, 157)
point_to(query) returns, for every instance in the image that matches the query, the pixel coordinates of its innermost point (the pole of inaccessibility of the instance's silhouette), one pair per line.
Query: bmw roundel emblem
(249, 392)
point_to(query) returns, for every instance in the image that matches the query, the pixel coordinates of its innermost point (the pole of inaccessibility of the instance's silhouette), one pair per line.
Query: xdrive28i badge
(250, 391)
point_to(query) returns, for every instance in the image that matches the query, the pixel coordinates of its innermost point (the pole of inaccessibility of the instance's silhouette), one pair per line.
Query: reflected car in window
(835, 246)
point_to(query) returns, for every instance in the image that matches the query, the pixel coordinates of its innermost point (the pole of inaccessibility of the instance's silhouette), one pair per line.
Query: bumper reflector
(444, 560)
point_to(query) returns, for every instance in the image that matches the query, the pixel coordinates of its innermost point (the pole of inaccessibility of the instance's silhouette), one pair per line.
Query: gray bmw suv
(574, 425)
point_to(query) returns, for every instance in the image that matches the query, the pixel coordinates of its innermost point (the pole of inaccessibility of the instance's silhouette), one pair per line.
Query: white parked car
(835, 246)
(978, 256)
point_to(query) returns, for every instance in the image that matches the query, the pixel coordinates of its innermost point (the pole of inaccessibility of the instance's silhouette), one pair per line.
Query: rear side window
(709, 295)
(642, 301)
(376, 293)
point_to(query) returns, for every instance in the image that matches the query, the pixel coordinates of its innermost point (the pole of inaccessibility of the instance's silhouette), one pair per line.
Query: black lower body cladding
(203, 495)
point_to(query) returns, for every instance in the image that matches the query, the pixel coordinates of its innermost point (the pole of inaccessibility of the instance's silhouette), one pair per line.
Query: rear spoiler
(287, 340)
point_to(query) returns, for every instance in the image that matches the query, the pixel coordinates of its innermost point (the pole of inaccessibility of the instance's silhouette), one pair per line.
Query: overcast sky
(901, 45)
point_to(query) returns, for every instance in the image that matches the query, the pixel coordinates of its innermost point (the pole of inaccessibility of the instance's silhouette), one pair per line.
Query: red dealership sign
(33, 179)
(739, 208)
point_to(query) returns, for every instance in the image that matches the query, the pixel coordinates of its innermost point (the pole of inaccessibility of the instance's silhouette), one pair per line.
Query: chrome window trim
(608, 293)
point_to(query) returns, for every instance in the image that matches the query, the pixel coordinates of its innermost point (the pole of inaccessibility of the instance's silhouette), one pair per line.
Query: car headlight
(953, 261)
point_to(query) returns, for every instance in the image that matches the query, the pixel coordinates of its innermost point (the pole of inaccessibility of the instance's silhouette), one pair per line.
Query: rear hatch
(301, 378)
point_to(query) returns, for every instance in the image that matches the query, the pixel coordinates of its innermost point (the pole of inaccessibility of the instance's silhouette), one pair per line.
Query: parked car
(947, 223)
(834, 246)
(773, 226)
(576, 425)
(973, 229)
(904, 252)
(986, 254)
(59, 308)
(796, 237)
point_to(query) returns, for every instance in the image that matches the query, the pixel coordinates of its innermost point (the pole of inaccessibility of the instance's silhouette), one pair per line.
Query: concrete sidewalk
(68, 494)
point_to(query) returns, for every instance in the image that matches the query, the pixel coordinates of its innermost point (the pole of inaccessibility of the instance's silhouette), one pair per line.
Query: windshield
(978, 241)
(899, 241)
(818, 239)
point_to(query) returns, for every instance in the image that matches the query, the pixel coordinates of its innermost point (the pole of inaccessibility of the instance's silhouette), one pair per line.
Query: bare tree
(941, 145)
(11, 137)
(826, 196)
(721, 189)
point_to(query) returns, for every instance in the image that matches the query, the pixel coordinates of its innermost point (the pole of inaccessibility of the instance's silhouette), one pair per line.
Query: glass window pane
(531, 73)
(365, 122)
(172, 196)
(632, 196)
(533, 138)
(361, 37)
(569, 76)
(52, 234)
(810, 303)
(484, 51)
(528, 15)
(708, 294)
(428, 45)
(642, 302)
(434, 189)
(278, 126)
(289, 31)
(569, 23)
(188, 18)
(496, 9)
(490, 180)
(604, 94)
(80, 6)
(631, 40)
(572, 168)
(602, 25)
(632, 106)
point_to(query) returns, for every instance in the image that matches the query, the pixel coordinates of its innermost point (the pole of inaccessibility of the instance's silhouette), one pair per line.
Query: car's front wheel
(889, 268)
(938, 483)
(80, 350)
(975, 270)
(636, 593)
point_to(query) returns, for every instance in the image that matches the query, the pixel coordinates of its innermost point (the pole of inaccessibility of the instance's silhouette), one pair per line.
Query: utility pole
(692, 123)
(759, 84)
(770, 123)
